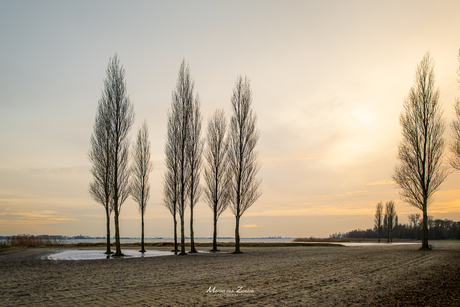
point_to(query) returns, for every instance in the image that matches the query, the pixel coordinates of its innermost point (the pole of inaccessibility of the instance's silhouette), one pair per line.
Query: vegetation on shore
(338, 240)
(31, 241)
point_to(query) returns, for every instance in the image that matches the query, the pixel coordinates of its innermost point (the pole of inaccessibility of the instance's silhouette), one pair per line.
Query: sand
(261, 276)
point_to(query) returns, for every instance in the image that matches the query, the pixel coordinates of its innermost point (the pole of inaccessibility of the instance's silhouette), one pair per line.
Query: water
(91, 254)
(87, 254)
(138, 240)
(373, 243)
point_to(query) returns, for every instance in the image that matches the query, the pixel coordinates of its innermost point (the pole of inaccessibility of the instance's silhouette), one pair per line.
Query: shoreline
(295, 242)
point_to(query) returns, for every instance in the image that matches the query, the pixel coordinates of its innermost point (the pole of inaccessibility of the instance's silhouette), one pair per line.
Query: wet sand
(261, 276)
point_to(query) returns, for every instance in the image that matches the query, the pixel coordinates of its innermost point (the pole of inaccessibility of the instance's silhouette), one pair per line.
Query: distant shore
(169, 243)
(59, 241)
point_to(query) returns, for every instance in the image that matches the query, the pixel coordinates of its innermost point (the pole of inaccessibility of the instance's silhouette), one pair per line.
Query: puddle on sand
(87, 254)
(374, 243)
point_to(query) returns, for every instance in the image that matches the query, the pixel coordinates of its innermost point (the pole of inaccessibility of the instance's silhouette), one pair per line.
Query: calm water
(87, 254)
(92, 254)
(255, 240)
(375, 243)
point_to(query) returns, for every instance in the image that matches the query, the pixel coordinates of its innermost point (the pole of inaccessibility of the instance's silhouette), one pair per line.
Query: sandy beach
(261, 276)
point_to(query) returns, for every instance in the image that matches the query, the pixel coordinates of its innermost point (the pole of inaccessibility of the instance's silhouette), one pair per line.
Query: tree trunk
(142, 238)
(117, 236)
(182, 236)
(107, 215)
(388, 233)
(116, 208)
(214, 235)
(192, 240)
(379, 234)
(425, 227)
(237, 236)
(175, 234)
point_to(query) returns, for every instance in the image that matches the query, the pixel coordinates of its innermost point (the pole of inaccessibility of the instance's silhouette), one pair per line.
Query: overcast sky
(328, 78)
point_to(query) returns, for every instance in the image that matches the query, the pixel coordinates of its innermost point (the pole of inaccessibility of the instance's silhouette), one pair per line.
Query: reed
(30, 241)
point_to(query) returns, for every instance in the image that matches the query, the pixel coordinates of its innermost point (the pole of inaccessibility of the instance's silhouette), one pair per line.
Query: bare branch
(455, 126)
(140, 187)
(216, 174)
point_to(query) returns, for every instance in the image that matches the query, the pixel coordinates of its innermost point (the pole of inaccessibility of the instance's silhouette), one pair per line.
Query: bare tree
(390, 214)
(396, 228)
(455, 145)
(378, 219)
(171, 179)
(414, 219)
(140, 187)
(99, 155)
(120, 117)
(216, 171)
(194, 153)
(385, 226)
(181, 112)
(243, 165)
(421, 170)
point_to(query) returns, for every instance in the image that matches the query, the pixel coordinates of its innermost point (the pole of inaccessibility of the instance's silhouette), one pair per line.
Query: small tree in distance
(421, 172)
(390, 216)
(243, 166)
(140, 188)
(378, 219)
(216, 193)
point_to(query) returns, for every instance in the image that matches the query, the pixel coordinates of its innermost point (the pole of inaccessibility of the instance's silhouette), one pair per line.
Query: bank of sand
(290, 276)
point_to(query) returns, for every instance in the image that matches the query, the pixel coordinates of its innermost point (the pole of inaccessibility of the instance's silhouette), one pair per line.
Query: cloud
(60, 170)
(343, 194)
(343, 209)
(293, 158)
(382, 182)
(249, 226)
(41, 217)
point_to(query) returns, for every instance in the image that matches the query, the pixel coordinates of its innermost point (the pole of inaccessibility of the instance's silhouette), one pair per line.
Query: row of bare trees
(421, 170)
(230, 166)
(231, 160)
(438, 229)
(114, 178)
(386, 222)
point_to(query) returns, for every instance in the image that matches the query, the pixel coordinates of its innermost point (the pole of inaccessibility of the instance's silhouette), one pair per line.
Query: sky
(329, 79)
